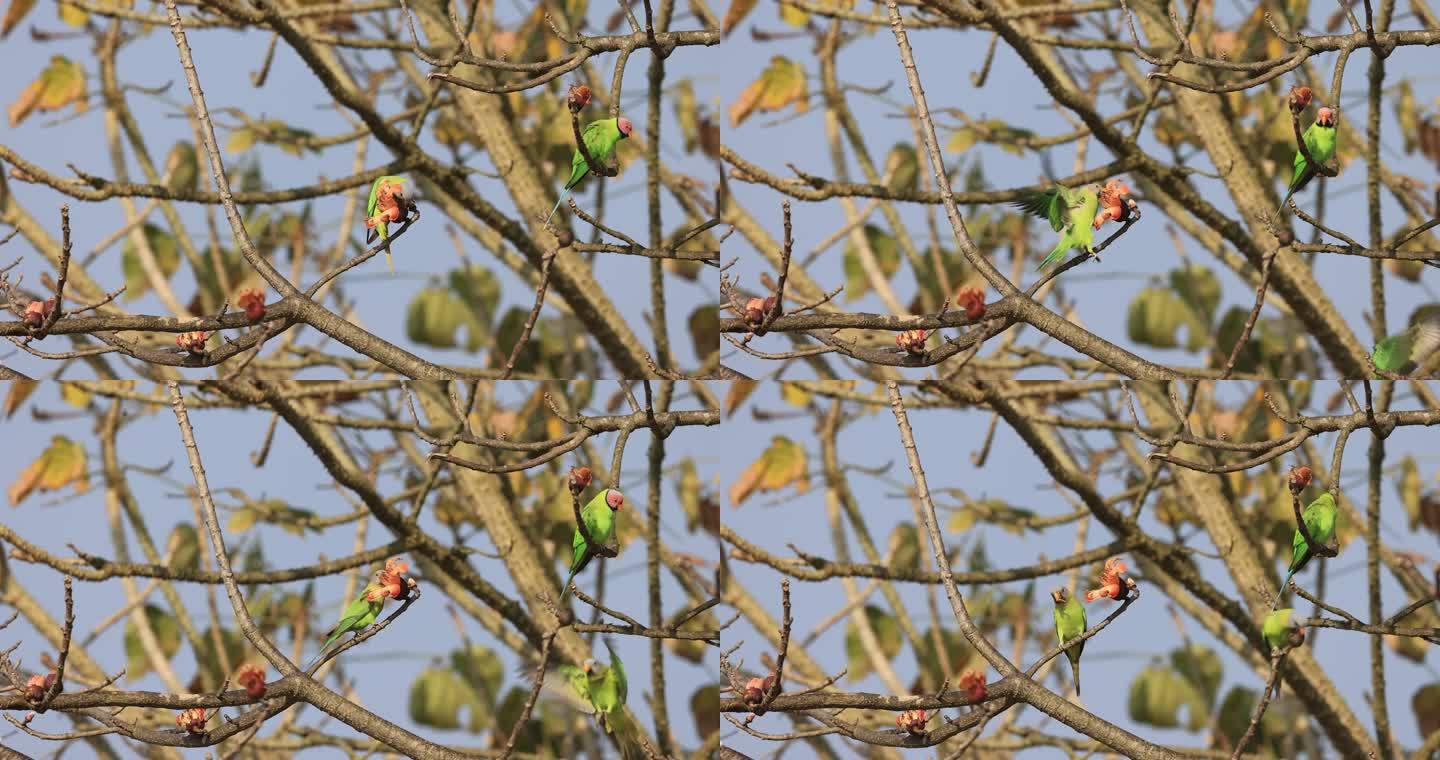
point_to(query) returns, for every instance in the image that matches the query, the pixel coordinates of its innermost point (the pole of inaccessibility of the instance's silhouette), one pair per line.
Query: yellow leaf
(19, 391)
(781, 84)
(782, 464)
(961, 140)
(62, 464)
(60, 84)
(794, 16)
(75, 395)
(739, 391)
(737, 12)
(794, 394)
(16, 11)
(72, 15)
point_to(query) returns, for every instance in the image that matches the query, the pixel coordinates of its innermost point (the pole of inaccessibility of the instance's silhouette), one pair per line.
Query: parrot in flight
(1416, 343)
(1320, 141)
(387, 205)
(1070, 623)
(1319, 519)
(1070, 213)
(599, 516)
(361, 613)
(600, 138)
(596, 689)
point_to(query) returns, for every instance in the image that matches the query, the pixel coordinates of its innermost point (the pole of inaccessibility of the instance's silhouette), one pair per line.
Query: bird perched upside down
(388, 204)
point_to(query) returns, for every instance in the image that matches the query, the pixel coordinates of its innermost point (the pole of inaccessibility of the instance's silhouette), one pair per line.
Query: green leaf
(183, 167)
(436, 313)
(906, 540)
(483, 671)
(167, 635)
(903, 165)
(1426, 704)
(1234, 719)
(957, 651)
(167, 258)
(1198, 287)
(705, 708)
(887, 634)
(887, 256)
(704, 324)
(1157, 695)
(187, 548)
(209, 661)
(1199, 665)
(437, 697)
(1156, 316)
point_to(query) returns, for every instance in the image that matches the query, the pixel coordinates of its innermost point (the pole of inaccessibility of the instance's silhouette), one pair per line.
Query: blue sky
(225, 60)
(869, 444)
(870, 65)
(383, 669)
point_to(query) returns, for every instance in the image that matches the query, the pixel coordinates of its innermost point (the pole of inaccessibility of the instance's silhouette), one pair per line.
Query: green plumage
(608, 690)
(600, 521)
(1070, 623)
(370, 209)
(1320, 141)
(1070, 213)
(599, 690)
(1319, 519)
(600, 138)
(1276, 628)
(1403, 351)
(357, 616)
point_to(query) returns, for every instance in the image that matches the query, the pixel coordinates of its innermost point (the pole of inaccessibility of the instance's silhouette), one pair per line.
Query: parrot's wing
(1048, 204)
(561, 682)
(374, 196)
(618, 668)
(1392, 353)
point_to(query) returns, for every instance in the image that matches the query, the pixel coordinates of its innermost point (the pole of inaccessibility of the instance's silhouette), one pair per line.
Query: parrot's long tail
(563, 195)
(1282, 204)
(565, 590)
(389, 262)
(1054, 256)
(1283, 585)
(1075, 666)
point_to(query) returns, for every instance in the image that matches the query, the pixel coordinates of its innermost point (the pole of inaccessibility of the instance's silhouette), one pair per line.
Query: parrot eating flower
(1320, 141)
(1070, 623)
(599, 515)
(388, 204)
(361, 613)
(600, 138)
(1319, 519)
(1070, 213)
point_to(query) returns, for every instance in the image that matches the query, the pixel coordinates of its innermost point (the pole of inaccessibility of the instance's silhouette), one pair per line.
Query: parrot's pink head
(615, 499)
(1325, 117)
(625, 127)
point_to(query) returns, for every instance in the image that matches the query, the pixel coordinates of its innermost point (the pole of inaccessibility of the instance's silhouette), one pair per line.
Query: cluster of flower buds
(1116, 205)
(912, 722)
(252, 677)
(1300, 98)
(1299, 479)
(757, 308)
(1113, 583)
(193, 342)
(972, 682)
(36, 687)
(253, 302)
(36, 312)
(913, 341)
(192, 721)
(579, 479)
(579, 98)
(757, 688)
(972, 300)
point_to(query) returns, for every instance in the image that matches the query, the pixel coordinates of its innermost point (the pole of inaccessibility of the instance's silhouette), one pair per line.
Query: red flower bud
(757, 688)
(972, 682)
(973, 301)
(253, 302)
(192, 721)
(913, 341)
(252, 677)
(1299, 478)
(36, 687)
(1300, 98)
(579, 479)
(579, 97)
(194, 342)
(36, 312)
(912, 722)
(754, 311)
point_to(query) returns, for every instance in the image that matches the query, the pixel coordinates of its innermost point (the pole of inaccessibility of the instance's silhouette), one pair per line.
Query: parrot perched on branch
(1070, 623)
(1320, 141)
(361, 613)
(596, 689)
(388, 204)
(599, 516)
(1319, 519)
(1070, 213)
(1413, 345)
(600, 138)
(1277, 628)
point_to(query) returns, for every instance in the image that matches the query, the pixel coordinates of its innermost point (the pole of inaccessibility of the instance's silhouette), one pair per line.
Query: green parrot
(599, 517)
(600, 138)
(1319, 519)
(599, 690)
(358, 615)
(1070, 213)
(1320, 141)
(1277, 628)
(1399, 352)
(1070, 623)
(387, 204)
